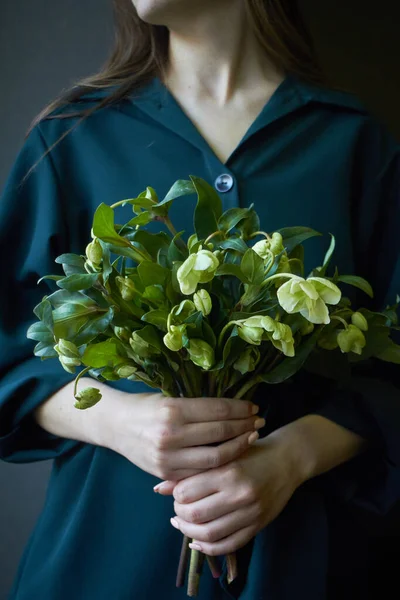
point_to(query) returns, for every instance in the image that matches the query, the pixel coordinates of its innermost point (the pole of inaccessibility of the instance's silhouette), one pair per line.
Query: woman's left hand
(223, 508)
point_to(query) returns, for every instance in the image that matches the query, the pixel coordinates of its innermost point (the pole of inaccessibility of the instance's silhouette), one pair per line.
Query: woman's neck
(216, 56)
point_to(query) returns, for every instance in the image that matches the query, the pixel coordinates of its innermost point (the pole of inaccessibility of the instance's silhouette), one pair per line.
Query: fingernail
(174, 523)
(258, 423)
(195, 546)
(159, 486)
(255, 409)
(253, 437)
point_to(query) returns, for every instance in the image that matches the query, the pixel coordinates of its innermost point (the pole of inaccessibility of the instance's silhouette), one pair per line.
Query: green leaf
(61, 297)
(107, 267)
(69, 318)
(135, 252)
(357, 282)
(233, 348)
(141, 219)
(51, 277)
(176, 252)
(230, 269)
(71, 263)
(252, 266)
(208, 208)
(293, 236)
(150, 335)
(328, 255)
(231, 217)
(391, 353)
(45, 350)
(40, 333)
(94, 327)
(152, 274)
(151, 242)
(103, 226)
(103, 354)
(44, 312)
(180, 188)
(77, 282)
(290, 366)
(234, 244)
(157, 317)
(250, 224)
(154, 293)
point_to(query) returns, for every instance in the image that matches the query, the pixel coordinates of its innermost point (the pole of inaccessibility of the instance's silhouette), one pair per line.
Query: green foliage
(150, 307)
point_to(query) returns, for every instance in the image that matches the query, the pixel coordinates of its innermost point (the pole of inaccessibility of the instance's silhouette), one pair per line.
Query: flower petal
(328, 291)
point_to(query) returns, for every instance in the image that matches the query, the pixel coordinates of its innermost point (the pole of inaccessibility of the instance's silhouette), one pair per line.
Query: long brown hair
(141, 52)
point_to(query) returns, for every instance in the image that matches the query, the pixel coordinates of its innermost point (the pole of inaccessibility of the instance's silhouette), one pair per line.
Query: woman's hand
(168, 437)
(223, 508)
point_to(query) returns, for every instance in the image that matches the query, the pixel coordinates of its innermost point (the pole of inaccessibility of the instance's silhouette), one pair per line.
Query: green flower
(258, 328)
(274, 245)
(351, 340)
(202, 301)
(94, 252)
(309, 297)
(122, 333)
(359, 321)
(201, 354)
(126, 287)
(247, 361)
(68, 355)
(199, 267)
(87, 398)
(174, 338)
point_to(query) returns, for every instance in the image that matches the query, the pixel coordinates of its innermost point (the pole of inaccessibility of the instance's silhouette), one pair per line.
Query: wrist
(297, 451)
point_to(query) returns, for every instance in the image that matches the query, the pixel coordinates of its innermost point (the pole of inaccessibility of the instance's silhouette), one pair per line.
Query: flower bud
(87, 398)
(201, 354)
(250, 334)
(126, 287)
(247, 361)
(351, 340)
(306, 327)
(69, 364)
(94, 252)
(173, 339)
(67, 349)
(125, 371)
(202, 302)
(359, 321)
(122, 333)
(276, 243)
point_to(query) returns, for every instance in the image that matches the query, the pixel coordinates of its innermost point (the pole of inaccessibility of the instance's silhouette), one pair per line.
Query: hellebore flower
(174, 338)
(201, 353)
(126, 287)
(264, 247)
(68, 355)
(199, 267)
(94, 252)
(202, 302)
(87, 398)
(309, 297)
(351, 339)
(359, 321)
(247, 361)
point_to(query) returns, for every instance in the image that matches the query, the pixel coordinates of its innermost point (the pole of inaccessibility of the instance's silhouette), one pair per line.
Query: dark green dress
(312, 157)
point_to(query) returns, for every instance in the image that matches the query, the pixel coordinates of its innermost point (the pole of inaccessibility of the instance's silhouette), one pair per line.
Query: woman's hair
(141, 52)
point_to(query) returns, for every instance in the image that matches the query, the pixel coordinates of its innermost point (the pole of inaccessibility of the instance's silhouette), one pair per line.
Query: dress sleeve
(33, 231)
(370, 404)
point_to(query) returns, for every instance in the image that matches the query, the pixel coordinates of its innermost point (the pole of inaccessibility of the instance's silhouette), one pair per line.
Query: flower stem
(231, 563)
(183, 562)
(224, 330)
(83, 372)
(210, 237)
(214, 566)
(179, 242)
(247, 386)
(194, 577)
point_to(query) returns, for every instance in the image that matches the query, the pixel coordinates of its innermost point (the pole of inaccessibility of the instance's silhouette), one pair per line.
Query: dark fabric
(312, 157)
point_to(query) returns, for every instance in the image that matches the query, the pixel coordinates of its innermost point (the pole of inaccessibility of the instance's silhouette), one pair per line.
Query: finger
(211, 457)
(218, 530)
(228, 545)
(198, 434)
(197, 487)
(197, 410)
(210, 507)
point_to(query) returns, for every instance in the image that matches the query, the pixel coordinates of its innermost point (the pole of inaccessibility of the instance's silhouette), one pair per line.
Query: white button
(224, 182)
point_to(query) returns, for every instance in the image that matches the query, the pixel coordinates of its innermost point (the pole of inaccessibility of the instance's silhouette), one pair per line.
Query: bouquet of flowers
(213, 314)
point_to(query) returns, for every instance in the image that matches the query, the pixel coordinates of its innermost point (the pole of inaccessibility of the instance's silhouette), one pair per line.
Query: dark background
(47, 45)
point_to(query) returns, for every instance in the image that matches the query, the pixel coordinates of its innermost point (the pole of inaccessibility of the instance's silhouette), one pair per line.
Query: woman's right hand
(170, 437)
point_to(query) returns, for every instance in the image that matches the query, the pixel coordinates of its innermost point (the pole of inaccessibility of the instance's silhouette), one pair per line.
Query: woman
(229, 91)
